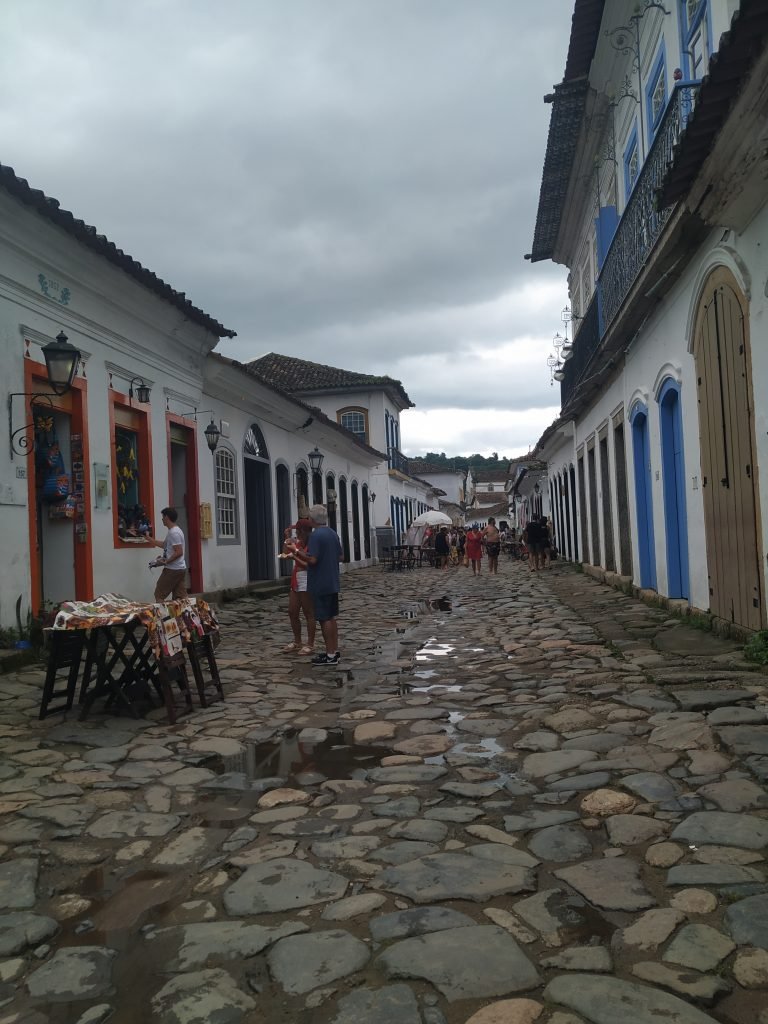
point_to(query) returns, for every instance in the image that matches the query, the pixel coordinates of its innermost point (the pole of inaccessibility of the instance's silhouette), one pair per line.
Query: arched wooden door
(258, 506)
(284, 518)
(355, 522)
(344, 517)
(726, 428)
(641, 449)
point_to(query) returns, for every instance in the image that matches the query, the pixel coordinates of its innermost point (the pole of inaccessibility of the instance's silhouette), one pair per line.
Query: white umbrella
(432, 518)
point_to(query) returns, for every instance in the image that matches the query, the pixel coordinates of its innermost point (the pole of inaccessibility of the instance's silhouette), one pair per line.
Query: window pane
(127, 466)
(226, 503)
(355, 422)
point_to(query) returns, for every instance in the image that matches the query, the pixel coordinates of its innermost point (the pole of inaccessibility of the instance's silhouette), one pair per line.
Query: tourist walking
(322, 559)
(492, 540)
(442, 548)
(474, 548)
(532, 538)
(299, 600)
(172, 579)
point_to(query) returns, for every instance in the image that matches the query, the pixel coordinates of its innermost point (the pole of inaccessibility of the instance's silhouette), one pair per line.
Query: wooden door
(726, 428)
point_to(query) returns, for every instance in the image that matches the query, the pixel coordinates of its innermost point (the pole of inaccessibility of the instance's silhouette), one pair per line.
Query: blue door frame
(643, 495)
(673, 469)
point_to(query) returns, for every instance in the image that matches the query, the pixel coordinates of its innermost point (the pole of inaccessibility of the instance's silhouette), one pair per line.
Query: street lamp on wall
(61, 362)
(142, 390)
(315, 460)
(372, 497)
(211, 432)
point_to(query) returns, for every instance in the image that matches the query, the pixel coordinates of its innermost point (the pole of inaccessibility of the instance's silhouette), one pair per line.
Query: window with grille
(656, 91)
(696, 38)
(355, 421)
(226, 495)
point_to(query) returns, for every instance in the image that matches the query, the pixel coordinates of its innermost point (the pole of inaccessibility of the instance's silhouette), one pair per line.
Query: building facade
(653, 195)
(85, 474)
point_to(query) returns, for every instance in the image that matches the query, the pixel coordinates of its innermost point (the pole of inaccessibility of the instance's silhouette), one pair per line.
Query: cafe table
(129, 649)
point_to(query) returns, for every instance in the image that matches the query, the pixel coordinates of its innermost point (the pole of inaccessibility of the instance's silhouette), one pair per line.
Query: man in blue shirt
(323, 556)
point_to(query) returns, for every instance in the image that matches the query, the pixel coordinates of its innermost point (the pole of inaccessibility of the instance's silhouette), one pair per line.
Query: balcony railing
(643, 220)
(585, 344)
(398, 461)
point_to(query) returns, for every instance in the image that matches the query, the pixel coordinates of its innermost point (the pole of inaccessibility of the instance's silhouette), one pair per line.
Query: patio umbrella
(432, 518)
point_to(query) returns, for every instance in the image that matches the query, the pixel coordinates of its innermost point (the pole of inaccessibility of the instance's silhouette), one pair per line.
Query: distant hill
(493, 461)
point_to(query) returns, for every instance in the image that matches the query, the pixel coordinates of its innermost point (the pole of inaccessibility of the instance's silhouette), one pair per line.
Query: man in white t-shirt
(173, 577)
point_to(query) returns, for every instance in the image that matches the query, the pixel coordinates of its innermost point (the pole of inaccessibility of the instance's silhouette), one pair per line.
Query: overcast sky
(349, 181)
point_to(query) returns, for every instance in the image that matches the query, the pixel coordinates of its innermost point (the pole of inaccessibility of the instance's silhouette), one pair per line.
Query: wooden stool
(174, 670)
(200, 648)
(65, 651)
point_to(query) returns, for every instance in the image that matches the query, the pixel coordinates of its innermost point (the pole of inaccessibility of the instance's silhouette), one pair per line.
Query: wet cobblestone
(519, 798)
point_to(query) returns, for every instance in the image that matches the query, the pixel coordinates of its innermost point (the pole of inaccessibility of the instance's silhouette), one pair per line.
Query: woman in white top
(299, 600)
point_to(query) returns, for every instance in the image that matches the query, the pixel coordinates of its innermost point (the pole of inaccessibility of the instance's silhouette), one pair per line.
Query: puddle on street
(434, 649)
(334, 758)
(414, 609)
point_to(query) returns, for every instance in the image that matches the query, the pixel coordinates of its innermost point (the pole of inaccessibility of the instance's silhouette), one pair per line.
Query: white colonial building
(85, 473)
(653, 195)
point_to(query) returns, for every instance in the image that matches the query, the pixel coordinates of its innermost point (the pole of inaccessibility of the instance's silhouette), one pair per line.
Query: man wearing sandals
(322, 559)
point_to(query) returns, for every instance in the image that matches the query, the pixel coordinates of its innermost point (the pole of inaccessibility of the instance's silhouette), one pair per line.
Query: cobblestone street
(522, 798)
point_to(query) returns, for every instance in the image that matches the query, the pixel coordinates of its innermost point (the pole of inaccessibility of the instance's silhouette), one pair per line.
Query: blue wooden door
(643, 497)
(673, 469)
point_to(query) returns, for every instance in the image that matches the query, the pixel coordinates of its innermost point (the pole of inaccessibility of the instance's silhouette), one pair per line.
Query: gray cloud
(352, 181)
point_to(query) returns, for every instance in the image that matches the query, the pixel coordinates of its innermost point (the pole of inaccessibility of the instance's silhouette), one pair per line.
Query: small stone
(10, 970)
(508, 1011)
(375, 732)
(651, 929)
(750, 968)
(605, 802)
(633, 829)
(694, 901)
(353, 906)
(20, 930)
(663, 855)
(281, 797)
(510, 923)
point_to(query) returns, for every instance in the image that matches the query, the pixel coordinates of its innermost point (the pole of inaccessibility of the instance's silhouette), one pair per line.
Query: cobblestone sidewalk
(522, 798)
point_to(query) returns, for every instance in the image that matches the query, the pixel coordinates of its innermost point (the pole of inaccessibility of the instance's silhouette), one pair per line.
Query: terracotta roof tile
(89, 236)
(300, 375)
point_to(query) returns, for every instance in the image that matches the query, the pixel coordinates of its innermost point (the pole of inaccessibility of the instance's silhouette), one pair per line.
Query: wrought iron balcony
(398, 461)
(643, 219)
(585, 344)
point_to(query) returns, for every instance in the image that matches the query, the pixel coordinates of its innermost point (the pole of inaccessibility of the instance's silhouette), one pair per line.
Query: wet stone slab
(18, 883)
(304, 962)
(609, 884)
(605, 1000)
(282, 884)
(392, 1004)
(454, 876)
(464, 963)
(72, 974)
(418, 921)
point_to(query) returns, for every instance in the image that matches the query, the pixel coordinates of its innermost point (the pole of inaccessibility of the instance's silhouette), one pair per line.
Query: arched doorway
(343, 513)
(284, 518)
(366, 521)
(302, 491)
(726, 430)
(643, 496)
(317, 488)
(355, 522)
(258, 506)
(331, 499)
(673, 474)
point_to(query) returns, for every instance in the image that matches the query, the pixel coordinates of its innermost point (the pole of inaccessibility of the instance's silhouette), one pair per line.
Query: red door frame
(193, 539)
(75, 404)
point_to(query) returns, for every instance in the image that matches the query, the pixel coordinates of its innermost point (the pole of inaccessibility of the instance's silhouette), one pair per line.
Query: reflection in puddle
(414, 609)
(333, 757)
(433, 649)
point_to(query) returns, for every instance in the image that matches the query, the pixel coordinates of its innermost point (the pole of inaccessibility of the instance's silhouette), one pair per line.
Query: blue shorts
(326, 606)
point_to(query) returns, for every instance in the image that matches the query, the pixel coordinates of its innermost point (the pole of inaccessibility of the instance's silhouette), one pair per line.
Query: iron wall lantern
(316, 460)
(142, 390)
(212, 435)
(61, 362)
